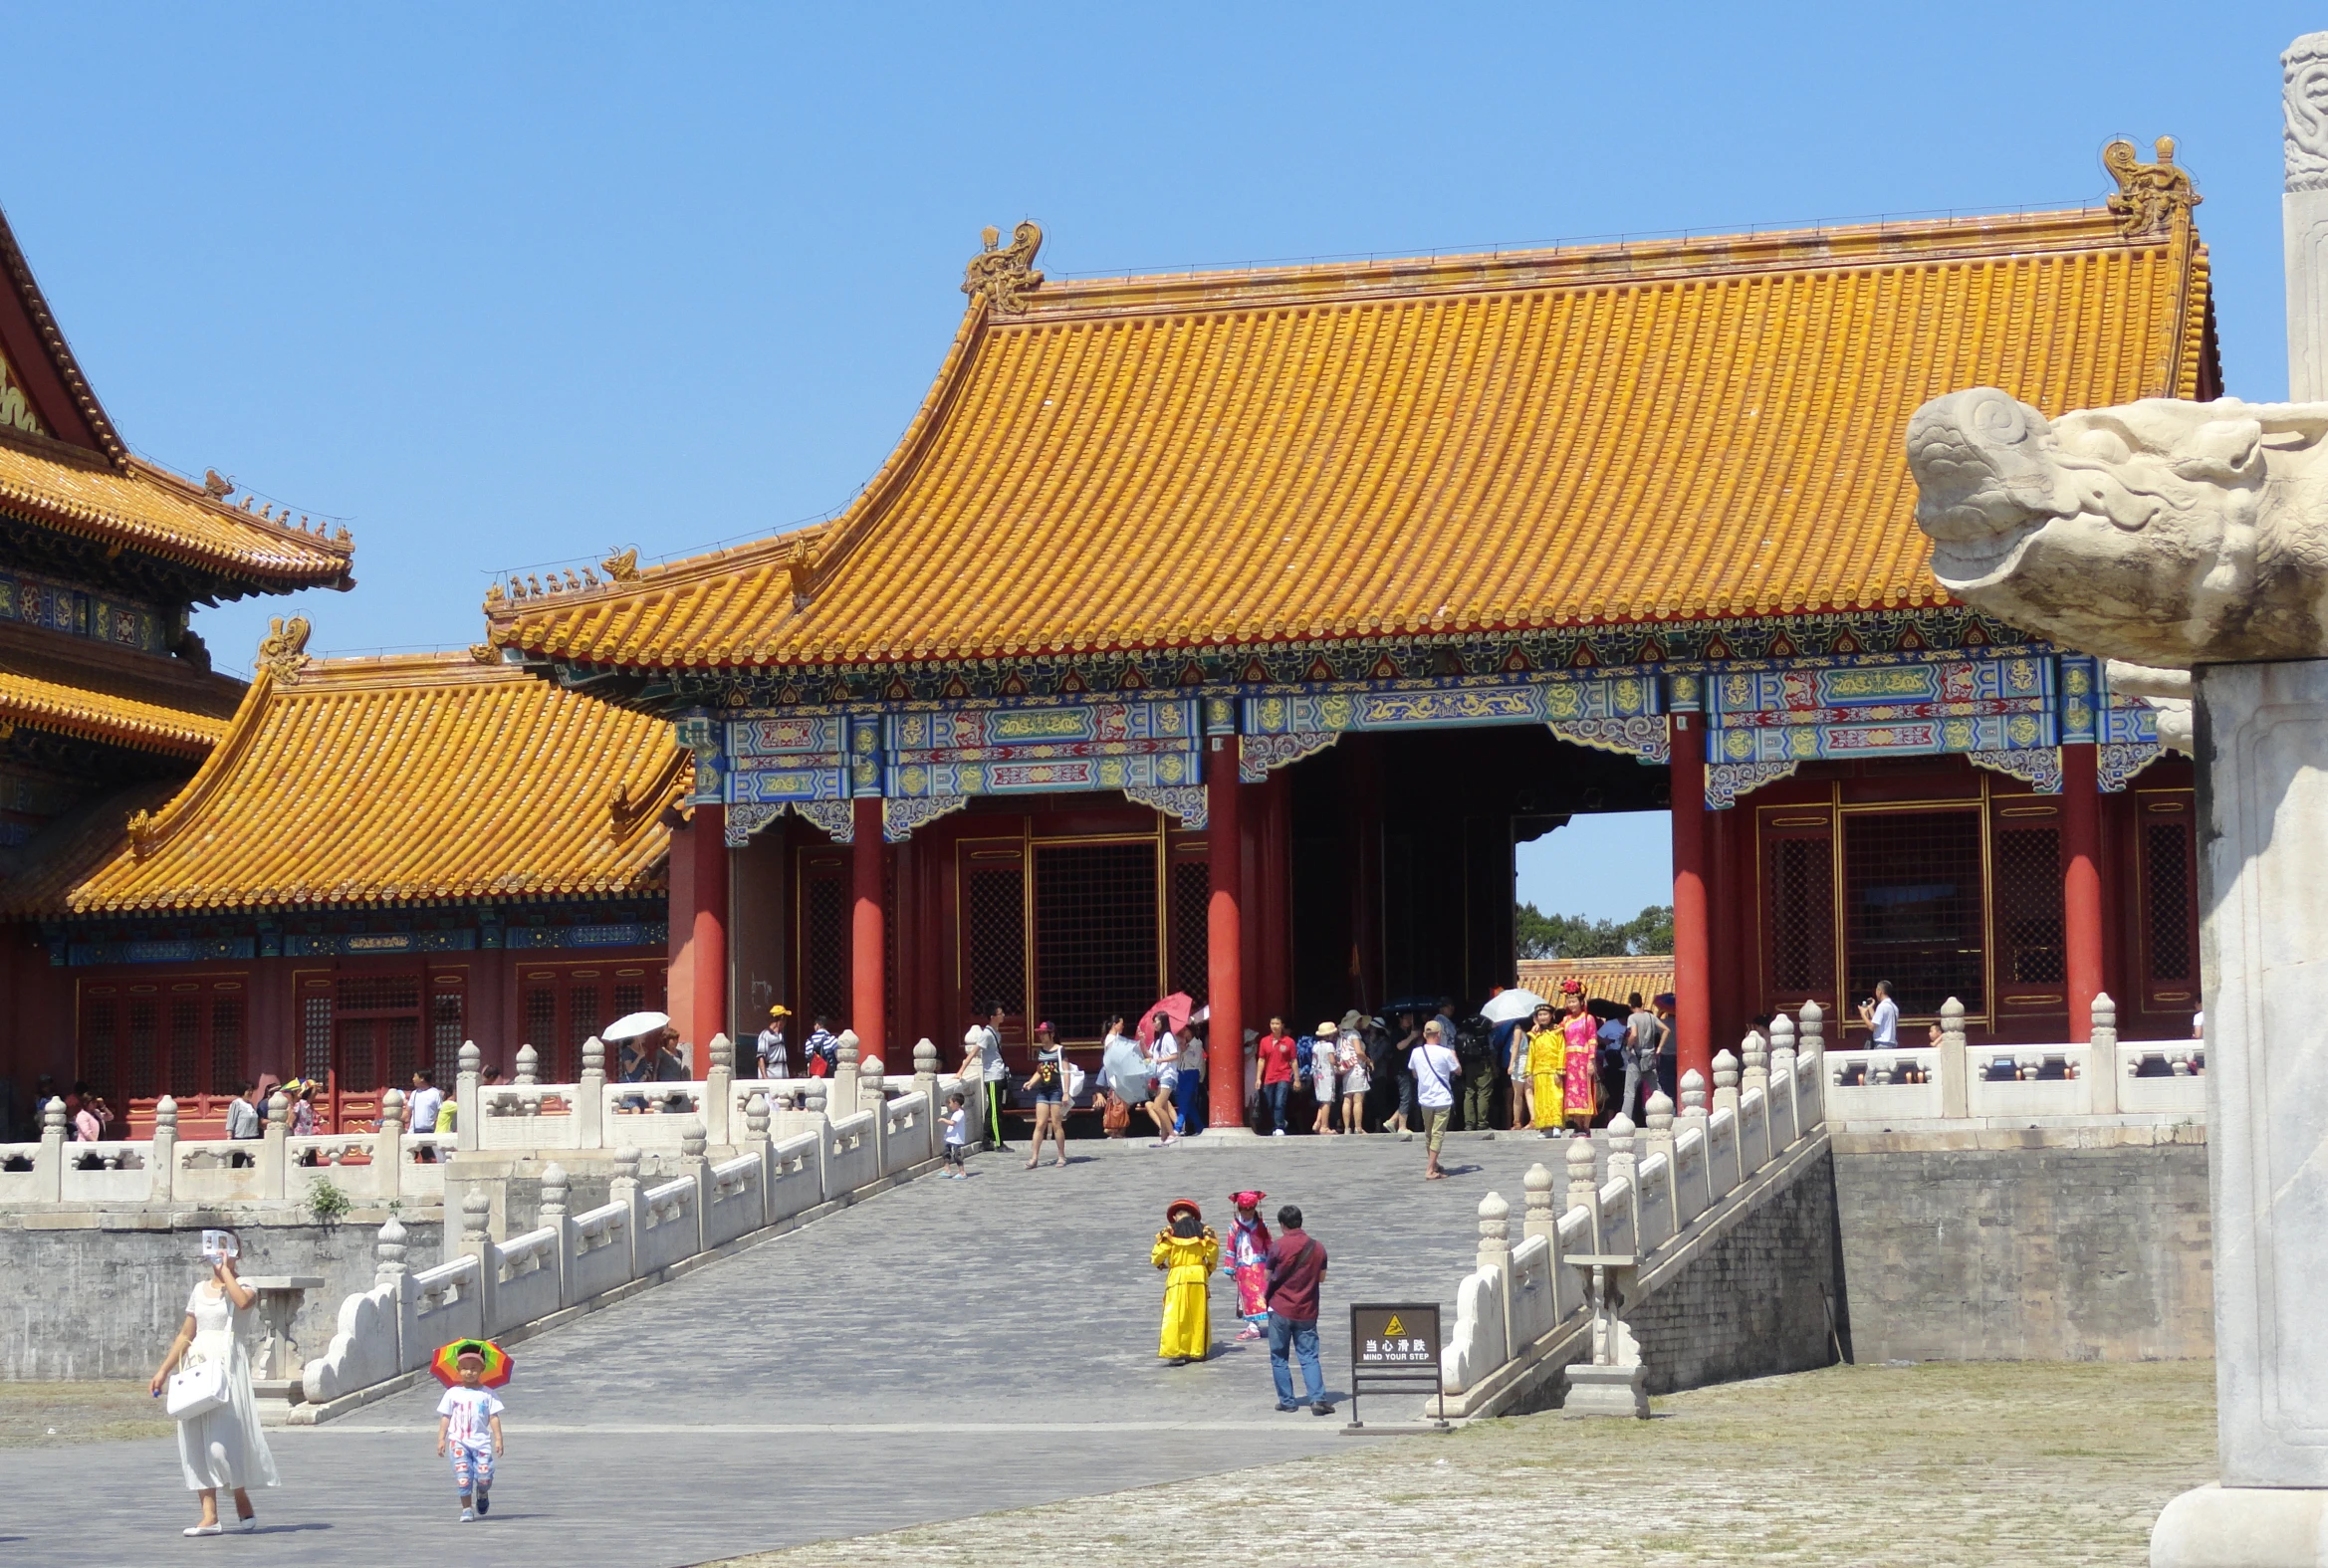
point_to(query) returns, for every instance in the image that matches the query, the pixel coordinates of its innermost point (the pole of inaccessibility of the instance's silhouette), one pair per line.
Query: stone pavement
(1934, 1466)
(946, 1349)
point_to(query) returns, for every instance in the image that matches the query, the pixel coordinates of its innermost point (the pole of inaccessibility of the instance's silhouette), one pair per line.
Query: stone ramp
(941, 1350)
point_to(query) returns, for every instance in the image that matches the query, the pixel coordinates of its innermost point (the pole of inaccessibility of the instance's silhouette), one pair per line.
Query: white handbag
(1074, 1082)
(198, 1387)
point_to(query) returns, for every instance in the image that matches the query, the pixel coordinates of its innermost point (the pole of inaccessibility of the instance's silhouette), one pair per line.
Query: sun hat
(1327, 1027)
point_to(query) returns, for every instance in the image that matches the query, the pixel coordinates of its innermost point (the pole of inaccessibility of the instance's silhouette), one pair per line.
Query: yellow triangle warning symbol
(1394, 1326)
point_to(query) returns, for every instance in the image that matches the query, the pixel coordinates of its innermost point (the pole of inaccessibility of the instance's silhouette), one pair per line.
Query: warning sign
(1385, 1337)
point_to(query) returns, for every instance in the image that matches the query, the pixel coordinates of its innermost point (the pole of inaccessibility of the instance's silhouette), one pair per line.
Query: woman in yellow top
(1546, 1066)
(1189, 1250)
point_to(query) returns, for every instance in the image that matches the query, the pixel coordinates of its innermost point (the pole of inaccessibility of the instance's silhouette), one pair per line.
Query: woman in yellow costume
(1546, 1063)
(1189, 1250)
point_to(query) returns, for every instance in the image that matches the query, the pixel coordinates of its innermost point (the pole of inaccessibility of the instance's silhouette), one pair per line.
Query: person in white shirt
(1164, 1078)
(426, 1100)
(1881, 1015)
(776, 1057)
(984, 1041)
(1433, 1065)
(957, 1136)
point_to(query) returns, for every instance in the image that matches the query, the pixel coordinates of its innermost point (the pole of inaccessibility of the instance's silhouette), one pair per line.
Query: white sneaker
(468, 1516)
(205, 1530)
(1277, 1132)
(248, 1524)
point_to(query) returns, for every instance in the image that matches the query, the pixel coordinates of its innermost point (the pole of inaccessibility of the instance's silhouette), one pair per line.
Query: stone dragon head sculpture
(2161, 533)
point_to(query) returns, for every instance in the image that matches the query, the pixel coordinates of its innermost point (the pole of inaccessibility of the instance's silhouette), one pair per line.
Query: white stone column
(2303, 215)
(2262, 739)
(477, 1242)
(1726, 1082)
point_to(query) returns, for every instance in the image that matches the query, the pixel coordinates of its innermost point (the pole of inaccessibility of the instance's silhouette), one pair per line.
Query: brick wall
(2042, 1253)
(90, 1302)
(1752, 1300)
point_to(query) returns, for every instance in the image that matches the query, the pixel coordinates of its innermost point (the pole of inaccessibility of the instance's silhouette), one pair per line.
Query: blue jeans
(1189, 1097)
(1302, 1338)
(1274, 1094)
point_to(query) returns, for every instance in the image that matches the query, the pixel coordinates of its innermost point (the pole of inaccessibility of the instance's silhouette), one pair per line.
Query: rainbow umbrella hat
(446, 1363)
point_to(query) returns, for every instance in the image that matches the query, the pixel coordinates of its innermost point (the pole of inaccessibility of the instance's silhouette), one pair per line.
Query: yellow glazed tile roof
(1612, 978)
(1686, 430)
(79, 687)
(102, 716)
(406, 779)
(135, 506)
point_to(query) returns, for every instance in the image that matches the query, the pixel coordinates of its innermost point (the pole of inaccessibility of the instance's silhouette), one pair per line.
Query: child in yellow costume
(1189, 1250)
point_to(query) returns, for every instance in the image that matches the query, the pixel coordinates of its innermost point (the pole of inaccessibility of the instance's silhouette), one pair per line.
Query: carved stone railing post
(477, 1242)
(1724, 1082)
(695, 1164)
(719, 1091)
(2102, 1059)
(1494, 1215)
(1583, 1188)
(1813, 1030)
(48, 1162)
(529, 1067)
(843, 1098)
(1693, 1111)
(1781, 1039)
(554, 1192)
(469, 1119)
(274, 1147)
(1755, 1053)
(1955, 1073)
(591, 1114)
(389, 1252)
(162, 1166)
(627, 1190)
(1542, 1217)
(925, 1084)
(387, 1148)
(1657, 1137)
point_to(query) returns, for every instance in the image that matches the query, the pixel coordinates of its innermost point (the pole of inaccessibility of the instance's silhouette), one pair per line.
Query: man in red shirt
(1277, 1073)
(1297, 1268)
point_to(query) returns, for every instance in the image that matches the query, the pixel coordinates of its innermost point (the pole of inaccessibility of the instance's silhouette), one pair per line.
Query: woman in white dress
(223, 1448)
(1357, 1075)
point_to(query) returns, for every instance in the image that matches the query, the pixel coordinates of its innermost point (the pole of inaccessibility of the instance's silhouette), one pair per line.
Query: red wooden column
(868, 988)
(707, 932)
(1225, 933)
(2081, 887)
(1277, 855)
(1692, 978)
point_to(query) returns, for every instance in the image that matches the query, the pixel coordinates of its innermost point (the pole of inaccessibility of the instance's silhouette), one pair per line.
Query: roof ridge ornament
(283, 651)
(622, 565)
(999, 276)
(2148, 195)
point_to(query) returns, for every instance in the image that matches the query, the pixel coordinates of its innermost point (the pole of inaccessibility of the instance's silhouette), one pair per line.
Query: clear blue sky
(507, 286)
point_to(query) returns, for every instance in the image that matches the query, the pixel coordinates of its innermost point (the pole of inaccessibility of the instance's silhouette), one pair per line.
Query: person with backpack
(1475, 1050)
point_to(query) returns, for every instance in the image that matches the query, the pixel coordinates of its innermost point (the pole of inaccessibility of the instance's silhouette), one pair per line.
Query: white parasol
(1517, 1002)
(633, 1025)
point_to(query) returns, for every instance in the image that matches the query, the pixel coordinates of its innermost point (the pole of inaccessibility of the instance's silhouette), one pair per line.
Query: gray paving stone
(950, 1348)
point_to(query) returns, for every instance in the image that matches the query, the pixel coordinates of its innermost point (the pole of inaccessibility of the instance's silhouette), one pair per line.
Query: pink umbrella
(1175, 1007)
